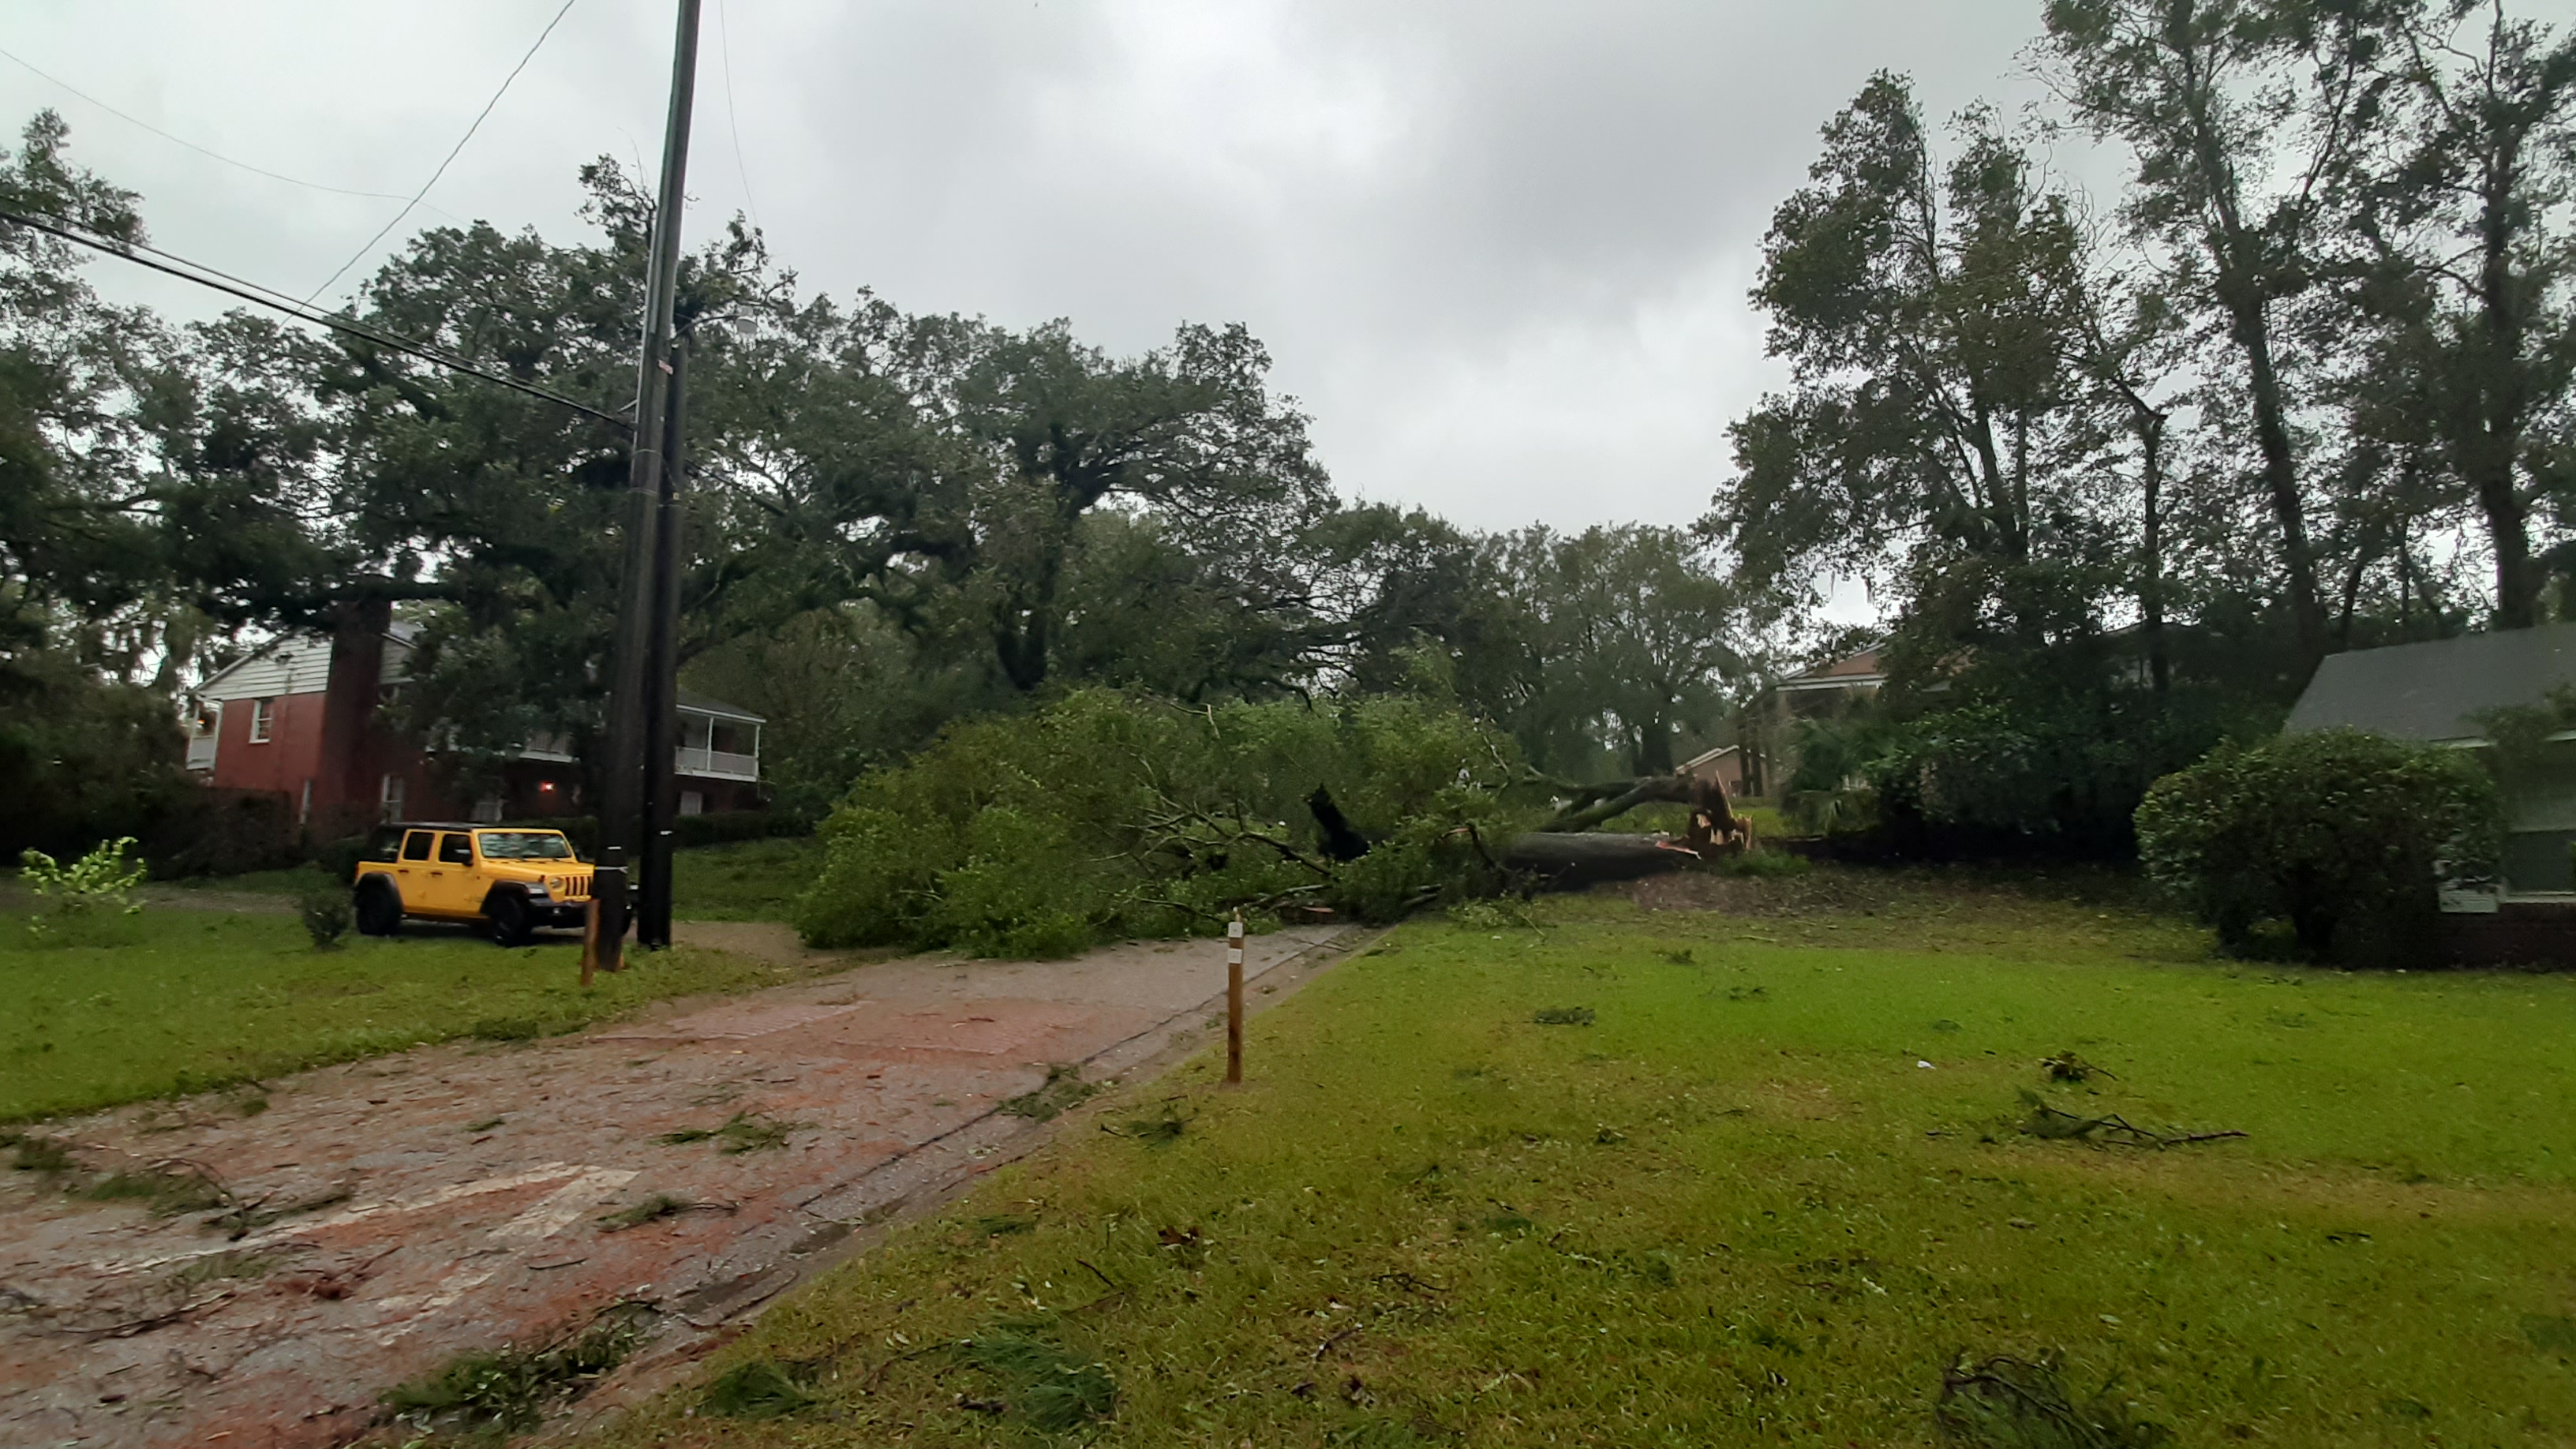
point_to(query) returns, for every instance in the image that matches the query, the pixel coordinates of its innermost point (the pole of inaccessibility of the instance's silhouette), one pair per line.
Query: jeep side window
(383, 844)
(455, 850)
(416, 845)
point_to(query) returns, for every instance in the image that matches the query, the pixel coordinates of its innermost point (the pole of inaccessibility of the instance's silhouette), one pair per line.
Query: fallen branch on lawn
(2113, 1130)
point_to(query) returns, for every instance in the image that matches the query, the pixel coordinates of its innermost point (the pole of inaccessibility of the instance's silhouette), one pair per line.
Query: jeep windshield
(525, 845)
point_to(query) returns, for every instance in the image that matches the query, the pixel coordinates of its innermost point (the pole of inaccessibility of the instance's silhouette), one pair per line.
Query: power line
(451, 155)
(191, 145)
(733, 123)
(252, 292)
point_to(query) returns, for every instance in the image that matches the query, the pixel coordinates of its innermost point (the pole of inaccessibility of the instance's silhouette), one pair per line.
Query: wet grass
(176, 1001)
(1781, 1190)
(750, 880)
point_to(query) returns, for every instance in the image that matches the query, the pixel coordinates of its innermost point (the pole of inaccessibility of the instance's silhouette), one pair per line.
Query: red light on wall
(546, 785)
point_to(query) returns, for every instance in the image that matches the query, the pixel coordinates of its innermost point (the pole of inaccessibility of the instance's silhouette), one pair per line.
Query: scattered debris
(1564, 1016)
(215, 1267)
(2113, 1130)
(241, 1218)
(740, 1133)
(169, 1187)
(2013, 1403)
(659, 1206)
(1064, 1088)
(1052, 1388)
(760, 1388)
(2068, 1067)
(1157, 1131)
(486, 1124)
(512, 1389)
(31, 1153)
(1748, 993)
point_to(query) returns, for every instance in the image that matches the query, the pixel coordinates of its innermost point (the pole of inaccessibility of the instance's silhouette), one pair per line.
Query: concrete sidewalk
(409, 1208)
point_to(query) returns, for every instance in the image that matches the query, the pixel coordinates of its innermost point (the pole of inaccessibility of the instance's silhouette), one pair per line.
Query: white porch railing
(717, 764)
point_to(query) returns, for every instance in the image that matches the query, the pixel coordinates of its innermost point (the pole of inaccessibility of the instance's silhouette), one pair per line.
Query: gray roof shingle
(2429, 691)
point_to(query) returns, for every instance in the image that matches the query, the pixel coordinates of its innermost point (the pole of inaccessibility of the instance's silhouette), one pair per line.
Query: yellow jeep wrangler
(510, 878)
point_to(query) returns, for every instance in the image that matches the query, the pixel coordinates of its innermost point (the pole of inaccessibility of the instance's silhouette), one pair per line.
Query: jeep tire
(508, 912)
(379, 910)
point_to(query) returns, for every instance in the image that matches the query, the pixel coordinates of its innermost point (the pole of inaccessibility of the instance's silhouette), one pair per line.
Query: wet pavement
(381, 1217)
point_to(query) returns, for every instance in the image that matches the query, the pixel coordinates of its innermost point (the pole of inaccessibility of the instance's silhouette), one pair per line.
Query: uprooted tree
(1110, 815)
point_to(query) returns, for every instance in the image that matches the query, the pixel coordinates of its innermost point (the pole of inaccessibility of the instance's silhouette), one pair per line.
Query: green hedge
(2338, 836)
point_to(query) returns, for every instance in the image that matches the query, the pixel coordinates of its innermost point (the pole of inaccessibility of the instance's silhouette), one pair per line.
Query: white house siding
(303, 667)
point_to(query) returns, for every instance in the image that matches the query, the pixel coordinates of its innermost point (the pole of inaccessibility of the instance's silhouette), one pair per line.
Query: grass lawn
(181, 1000)
(750, 880)
(1766, 1183)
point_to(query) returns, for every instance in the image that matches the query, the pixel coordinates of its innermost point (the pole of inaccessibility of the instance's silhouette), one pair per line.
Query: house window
(263, 720)
(488, 810)
(693, 802)
(389, 798)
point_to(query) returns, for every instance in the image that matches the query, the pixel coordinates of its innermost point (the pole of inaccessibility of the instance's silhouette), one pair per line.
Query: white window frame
(263, 720)
(389, 797)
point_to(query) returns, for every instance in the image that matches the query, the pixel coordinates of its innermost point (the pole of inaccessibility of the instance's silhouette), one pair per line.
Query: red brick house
(301, 717)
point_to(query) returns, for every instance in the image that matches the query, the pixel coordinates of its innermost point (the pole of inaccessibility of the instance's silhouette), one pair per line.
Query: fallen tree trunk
(1714, 824)
(1564, 860)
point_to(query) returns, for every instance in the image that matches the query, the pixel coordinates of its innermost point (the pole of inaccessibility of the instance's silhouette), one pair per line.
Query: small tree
(2342, 835)
(102, 878)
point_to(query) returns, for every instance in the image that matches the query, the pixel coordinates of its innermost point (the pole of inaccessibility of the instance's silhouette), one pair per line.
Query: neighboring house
(1728, 765)
(1766, 748)
(2433, 692)
(301, 717)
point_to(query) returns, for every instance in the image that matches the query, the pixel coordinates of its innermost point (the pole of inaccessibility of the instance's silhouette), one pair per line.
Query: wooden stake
(1234, 999)
(589, 940)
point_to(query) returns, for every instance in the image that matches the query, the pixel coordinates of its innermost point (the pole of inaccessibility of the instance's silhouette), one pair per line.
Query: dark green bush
(2339, 835)
(2066, 771)
(326, 914)
(1108, 815)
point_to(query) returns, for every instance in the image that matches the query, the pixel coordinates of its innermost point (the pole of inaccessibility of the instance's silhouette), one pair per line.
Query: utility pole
(662, 669)
(629, 698)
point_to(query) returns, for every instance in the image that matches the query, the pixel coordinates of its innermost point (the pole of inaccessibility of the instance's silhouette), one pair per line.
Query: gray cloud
(1499, 249)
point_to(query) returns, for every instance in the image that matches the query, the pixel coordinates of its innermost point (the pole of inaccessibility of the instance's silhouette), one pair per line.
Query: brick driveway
(427, 1228)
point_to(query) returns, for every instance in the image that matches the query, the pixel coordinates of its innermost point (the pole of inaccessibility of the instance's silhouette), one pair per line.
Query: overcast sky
(1498, 250)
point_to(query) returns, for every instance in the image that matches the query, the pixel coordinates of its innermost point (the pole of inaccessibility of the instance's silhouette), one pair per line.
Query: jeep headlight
(537, 889)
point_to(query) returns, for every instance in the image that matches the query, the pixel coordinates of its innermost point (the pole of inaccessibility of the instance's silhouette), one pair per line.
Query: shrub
(325, 911)
(1108, 815)
(2339, 835)
(99, 880)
